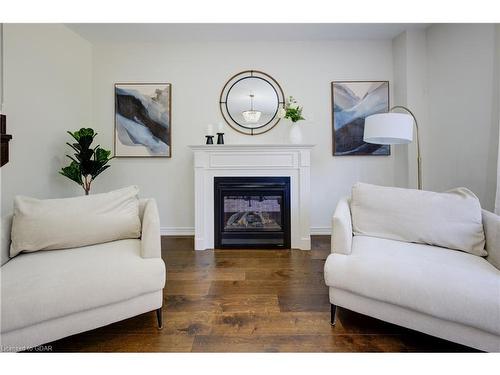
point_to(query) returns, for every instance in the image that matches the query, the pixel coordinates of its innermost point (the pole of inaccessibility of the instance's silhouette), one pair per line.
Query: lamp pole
(419, 158)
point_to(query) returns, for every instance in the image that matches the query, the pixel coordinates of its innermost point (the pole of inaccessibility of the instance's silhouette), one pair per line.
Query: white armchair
(445, 293)
(48, 295)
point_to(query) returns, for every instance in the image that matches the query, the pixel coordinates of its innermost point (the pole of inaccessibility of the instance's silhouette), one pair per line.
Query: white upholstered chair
(446, 293)
(48, 295)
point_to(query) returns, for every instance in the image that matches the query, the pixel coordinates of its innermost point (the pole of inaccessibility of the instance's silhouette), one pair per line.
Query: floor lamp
(393, 128)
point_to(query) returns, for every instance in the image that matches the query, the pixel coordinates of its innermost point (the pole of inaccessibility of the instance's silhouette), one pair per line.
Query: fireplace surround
(252, 160)
(252, 212)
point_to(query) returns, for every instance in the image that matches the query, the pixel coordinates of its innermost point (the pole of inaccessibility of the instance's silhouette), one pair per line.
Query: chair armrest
(150, 237)
(6, 228)
(491, 225)
(342, 228)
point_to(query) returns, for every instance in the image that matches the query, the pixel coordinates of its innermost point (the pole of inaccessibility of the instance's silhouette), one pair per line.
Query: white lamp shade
(388, 128)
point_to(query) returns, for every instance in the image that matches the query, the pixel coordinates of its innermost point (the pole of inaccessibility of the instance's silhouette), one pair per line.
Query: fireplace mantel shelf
(258, 160)
(246, 146)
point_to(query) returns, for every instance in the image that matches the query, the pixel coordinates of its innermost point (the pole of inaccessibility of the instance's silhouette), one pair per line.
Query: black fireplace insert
(252, 212)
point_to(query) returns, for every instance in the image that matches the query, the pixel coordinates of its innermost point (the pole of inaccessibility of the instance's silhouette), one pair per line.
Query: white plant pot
(295, 134)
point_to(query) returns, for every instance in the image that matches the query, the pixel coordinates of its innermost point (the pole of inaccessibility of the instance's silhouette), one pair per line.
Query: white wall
(409, 50)
(56, 81)
(417, 100)
(1, 69)
(47, 91)
(497, 71)
(198, 73)
(461, 139)
(400, 89)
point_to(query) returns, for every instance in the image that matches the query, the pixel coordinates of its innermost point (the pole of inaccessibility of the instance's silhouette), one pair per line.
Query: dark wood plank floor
(249, 301)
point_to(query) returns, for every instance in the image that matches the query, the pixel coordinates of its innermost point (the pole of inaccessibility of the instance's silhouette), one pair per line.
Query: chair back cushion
(74, 222)
(451, 219)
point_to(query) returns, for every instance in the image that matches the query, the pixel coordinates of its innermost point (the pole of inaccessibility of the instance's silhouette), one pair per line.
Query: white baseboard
(189, 231)
(177, 231)
(320, 231)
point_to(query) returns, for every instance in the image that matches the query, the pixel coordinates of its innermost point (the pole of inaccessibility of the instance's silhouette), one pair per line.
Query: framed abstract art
(352, 102)
(143, 120)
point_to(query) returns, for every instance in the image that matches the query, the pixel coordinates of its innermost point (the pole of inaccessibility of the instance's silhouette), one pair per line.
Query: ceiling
(178, 32)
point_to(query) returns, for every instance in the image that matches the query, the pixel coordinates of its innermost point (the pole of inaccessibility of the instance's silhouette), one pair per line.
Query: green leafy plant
(86, 163)
(292, 110)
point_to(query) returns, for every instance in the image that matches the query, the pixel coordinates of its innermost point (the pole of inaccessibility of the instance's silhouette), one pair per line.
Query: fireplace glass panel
(260, 213)
(252, 212)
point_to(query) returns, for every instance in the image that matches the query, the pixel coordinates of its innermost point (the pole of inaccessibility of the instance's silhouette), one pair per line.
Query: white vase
(295, 134)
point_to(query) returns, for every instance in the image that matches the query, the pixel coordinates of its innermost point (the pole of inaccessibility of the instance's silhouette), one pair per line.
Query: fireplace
(252, 212)
(236, 160)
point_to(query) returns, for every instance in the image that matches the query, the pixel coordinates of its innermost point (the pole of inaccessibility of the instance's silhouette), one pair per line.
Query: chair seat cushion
(45, 285)
(443, 283)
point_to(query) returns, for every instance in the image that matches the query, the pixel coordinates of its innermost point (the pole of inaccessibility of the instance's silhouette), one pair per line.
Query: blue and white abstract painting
(352, 102)
(142, 120)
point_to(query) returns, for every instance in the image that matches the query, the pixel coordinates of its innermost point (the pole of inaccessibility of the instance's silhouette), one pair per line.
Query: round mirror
(249, 102)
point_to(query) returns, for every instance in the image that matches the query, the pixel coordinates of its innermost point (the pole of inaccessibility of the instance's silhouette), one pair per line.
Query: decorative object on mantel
(220, 138)
(352, 102)
(293, 112)
(220, 134)
(143, 120)
(249, 102)
(210, 135)
(88, 162)
(392, 129)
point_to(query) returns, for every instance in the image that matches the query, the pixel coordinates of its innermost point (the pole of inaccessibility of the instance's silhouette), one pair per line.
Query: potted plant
(88, 162)
(293, 112)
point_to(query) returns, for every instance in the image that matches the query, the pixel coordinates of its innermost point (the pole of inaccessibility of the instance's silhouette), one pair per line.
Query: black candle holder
(220, 138)
(210, 139)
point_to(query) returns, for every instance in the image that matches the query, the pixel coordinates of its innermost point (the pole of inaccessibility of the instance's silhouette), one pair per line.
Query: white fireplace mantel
(285, 160)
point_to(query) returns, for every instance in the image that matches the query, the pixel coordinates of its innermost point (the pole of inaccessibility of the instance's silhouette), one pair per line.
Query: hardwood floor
(249, 301)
